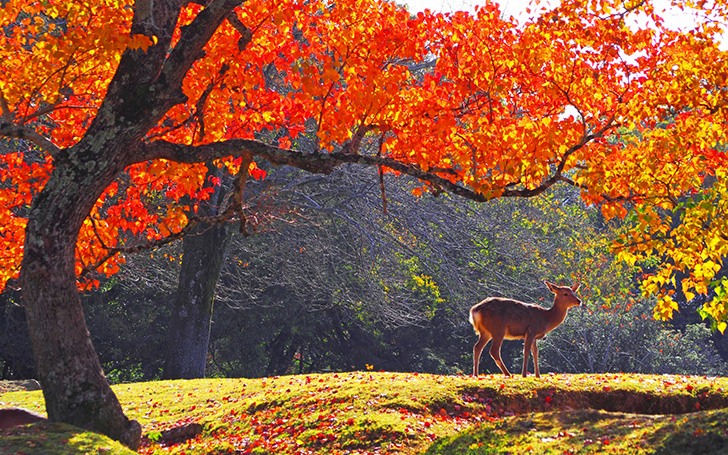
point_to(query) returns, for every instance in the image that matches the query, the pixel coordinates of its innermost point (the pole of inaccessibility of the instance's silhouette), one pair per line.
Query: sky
(510, 7)
(517, 8)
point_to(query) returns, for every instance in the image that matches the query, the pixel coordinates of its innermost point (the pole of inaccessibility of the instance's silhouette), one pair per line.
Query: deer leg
(527, 345)
(477, 349)
(534, 351)
(496, 354)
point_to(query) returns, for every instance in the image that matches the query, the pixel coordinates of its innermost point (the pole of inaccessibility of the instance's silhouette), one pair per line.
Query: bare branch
(43, 110)
(152, 244)
(381, 176)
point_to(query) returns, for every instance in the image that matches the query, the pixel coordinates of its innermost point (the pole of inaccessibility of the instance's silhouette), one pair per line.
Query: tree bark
(204, 251)
(74, 386)
(147, 83)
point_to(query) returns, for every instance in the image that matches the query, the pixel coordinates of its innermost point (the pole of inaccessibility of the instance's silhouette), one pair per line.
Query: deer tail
(475, 319)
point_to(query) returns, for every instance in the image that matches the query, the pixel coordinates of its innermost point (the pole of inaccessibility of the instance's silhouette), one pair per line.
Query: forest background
(332, 283)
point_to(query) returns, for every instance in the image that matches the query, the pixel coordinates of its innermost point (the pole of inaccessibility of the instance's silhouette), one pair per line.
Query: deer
(499, 318)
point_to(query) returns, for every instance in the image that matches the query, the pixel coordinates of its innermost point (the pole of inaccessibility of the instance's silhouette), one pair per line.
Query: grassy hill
(386, 413)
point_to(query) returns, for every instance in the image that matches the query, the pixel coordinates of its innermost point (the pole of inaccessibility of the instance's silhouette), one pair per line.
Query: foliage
(365, 412)
(346, 299)
(622, 337)
(352, 290)
(505, 120)
(346, 310)
(57, 438)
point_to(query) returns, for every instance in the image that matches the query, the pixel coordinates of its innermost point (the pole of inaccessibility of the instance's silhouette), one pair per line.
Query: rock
(30, 385)
(179, 434)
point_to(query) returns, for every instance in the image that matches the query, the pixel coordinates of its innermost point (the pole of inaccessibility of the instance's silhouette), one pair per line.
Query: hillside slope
(368, 412)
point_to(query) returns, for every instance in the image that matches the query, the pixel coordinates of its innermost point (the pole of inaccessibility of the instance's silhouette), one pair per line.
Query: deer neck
(556, 315)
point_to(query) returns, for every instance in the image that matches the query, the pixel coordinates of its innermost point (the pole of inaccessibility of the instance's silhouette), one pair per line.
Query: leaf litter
(408, 413)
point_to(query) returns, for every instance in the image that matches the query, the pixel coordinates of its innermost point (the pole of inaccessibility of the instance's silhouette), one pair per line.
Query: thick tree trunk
(189, 329)
(147, 83)
(74, 386)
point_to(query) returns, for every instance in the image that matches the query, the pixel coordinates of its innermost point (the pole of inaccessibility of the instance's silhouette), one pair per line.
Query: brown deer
(500, 318)
(11, 417)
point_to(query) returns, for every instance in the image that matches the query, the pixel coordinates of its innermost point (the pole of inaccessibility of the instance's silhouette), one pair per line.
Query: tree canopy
(116, 106)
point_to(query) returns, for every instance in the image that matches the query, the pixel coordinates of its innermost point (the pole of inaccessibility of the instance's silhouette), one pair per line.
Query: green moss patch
(592, 432)
(46, 438)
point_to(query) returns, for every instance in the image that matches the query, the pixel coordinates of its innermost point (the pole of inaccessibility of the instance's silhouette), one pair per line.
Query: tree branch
(156, 243)
(7, 116)
(21, 132)
(246, 35)
(322, 163)
(194, 38)
(181, 153)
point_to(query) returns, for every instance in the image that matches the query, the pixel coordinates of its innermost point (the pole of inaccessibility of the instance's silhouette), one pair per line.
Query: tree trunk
(282, 349)
(188, 335)
(146, 84)
(16, 354)
(74, 386)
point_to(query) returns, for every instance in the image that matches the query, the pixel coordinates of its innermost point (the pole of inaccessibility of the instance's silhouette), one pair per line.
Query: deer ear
(575, 287)
(552, 287)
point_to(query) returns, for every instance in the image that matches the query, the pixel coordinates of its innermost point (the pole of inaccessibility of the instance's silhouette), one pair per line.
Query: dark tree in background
(203, 253)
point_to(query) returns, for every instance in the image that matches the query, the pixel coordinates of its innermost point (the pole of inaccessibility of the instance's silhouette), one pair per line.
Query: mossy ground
(593, 432)
(368, 412)
(45, 438)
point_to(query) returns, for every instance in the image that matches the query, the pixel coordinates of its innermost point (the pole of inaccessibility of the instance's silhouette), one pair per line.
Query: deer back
(496, 314)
